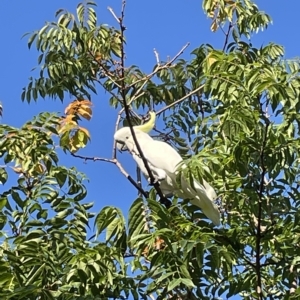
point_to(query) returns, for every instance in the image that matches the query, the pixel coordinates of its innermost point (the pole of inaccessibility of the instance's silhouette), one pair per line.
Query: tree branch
(114, 154)
(139, 178)
(156, 57)
(113, 13)
(106, 72)
(259, 216)
(117, 163)
(227, 34)
(163, 200)
(149, 76)
(180, 100)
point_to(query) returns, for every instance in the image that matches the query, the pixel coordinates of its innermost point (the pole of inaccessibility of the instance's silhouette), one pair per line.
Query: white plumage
(164, 162)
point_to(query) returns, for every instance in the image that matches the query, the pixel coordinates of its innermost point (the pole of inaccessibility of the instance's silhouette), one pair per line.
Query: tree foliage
(232, 113)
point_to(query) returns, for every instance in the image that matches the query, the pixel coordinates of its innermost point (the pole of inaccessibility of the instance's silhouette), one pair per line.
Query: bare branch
(114, 15)
(156, 57)
(112, 93)
(117, 163)
(180, 100)
(227, 34)
(127, 111)
(157, 69)
(139, 178)
(114, 153)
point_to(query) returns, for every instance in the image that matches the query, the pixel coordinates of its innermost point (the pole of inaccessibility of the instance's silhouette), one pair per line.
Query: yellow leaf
(18, 170)
(85, 113)
(210, 60)
(39, 168)
(98, 56)
(82, 107)
(86, 132)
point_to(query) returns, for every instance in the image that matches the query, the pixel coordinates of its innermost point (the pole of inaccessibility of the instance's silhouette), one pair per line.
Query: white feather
(164, 162)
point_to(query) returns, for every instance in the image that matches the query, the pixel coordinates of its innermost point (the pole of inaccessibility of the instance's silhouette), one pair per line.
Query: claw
(153, 182)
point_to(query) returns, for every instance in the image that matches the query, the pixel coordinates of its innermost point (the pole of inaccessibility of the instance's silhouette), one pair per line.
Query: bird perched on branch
(165, 164)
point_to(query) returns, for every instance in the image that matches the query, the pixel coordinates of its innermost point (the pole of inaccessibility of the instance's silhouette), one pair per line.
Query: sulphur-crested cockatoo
(164, 162)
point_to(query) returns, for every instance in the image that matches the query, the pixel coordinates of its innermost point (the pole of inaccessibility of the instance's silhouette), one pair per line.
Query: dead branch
(180, 100)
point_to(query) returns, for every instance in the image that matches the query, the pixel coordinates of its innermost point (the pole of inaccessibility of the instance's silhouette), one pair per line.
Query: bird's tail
(204, 196)
(209, 209)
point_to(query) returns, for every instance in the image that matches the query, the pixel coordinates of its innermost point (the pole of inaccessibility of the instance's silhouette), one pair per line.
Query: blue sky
(164, 25)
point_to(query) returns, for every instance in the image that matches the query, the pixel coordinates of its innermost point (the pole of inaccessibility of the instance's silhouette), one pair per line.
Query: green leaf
(3, 175)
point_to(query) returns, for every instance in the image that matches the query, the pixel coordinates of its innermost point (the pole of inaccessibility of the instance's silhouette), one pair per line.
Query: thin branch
(259, 216)
(157, 69)
(156, 57)
(112, 93)
(106, 72)
(145, 208)
(117, 163)
(93, 158)
(227, 35)
(180, 100)
(139, 178)
(163, 200)
(114, 15)
(114, 153)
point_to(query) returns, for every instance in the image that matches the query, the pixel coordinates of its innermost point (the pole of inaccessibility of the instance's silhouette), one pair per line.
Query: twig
(114, 153)
(180, 100)
(117, 163)
(126, 109)
(156, 57)
(139, 178)
(227, 35)
(157, 69)
(114, 15)
(112, 93)
(106, 72)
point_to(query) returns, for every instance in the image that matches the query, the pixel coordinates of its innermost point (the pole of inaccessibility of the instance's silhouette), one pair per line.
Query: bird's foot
(153, 182)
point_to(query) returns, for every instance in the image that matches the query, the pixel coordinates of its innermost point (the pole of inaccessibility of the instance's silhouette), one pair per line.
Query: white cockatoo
(164, 162)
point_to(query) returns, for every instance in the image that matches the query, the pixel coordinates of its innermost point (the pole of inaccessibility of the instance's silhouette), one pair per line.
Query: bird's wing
(209, 190)
(162, 155)
(158, 174)
(163, 160)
